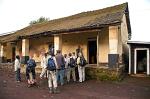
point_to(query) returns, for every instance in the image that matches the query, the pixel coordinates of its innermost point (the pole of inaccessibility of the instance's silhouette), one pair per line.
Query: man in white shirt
(17, 68)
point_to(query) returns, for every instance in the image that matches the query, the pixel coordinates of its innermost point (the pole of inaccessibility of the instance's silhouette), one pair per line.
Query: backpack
(82, 61)
(31, 63)
(51, 64)
(63, 64)
(72, 62)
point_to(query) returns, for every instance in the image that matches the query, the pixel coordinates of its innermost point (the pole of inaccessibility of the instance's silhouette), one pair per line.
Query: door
(92, 50)
(141, 61)
(13, 53)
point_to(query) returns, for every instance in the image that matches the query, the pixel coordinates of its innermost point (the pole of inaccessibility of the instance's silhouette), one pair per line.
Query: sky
(16, 14)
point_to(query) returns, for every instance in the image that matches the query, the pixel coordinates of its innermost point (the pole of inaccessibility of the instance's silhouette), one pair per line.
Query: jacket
(17, 64)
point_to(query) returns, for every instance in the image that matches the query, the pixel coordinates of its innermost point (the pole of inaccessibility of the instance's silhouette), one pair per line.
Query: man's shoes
(62, 84)
(18, 81)
(29, 85)
(50, 90)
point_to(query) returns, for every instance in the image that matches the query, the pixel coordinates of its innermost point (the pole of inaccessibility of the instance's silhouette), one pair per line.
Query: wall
(124, 30)
(9, 51)
(19, 48)
(120, 46)
(103, 45)
(3, 53)
(113, 39)
(124, 36)
(70, 43)
(39, 46)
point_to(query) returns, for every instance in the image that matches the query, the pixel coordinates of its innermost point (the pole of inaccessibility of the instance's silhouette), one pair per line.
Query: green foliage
(40, 20)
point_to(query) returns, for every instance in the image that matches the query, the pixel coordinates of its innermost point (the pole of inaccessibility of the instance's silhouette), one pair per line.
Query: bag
(72, 62)
(31, 63)
(51, 64)
(82, 61)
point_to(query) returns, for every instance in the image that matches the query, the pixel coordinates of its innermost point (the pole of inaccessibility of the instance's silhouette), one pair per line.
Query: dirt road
(129, 88)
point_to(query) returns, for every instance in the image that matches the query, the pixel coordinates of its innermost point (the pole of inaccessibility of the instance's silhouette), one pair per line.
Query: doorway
(13, 53)
(92, 52)
(141, 61)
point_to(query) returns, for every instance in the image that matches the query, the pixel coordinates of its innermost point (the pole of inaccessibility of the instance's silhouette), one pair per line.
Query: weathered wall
(9, 51)
(103, 45)
(57, 42)
(120, 46)
(113, 39)
(70, 42)
(124, 36)
(39, 46)
(124, 30)
(19, 48)
(5, 52)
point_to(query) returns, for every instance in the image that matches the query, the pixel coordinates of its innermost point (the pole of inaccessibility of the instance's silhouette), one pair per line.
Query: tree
(40, 20)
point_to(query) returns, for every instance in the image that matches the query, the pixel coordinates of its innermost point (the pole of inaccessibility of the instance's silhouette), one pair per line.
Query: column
(1, 53)
(98, 49)
(17, 49)
(25, 51)
(3, 57)
(113, 46)
(57, 43)
(9, 52)
(129, 59)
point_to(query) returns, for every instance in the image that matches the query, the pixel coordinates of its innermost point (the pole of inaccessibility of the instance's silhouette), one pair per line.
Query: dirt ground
(129, 88)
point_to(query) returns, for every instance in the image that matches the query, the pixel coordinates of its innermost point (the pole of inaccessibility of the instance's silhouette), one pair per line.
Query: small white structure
(139, 57)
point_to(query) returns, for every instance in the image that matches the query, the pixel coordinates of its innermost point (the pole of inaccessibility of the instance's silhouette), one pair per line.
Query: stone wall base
(103, 74)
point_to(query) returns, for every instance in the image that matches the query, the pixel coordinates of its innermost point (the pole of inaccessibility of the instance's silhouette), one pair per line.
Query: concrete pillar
(8, 52)
(57, 43)
(25, 51)
(113, 46)
(1, 52)
(129, 72)
(98, 49)
(17, 49)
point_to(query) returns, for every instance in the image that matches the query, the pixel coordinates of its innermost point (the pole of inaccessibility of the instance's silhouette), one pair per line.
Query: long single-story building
(102, 35)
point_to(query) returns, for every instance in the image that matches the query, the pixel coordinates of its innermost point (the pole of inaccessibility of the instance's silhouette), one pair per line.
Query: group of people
(57, 68)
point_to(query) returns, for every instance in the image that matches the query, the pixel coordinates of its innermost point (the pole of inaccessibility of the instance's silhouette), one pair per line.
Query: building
(102, 35)
(139, 57)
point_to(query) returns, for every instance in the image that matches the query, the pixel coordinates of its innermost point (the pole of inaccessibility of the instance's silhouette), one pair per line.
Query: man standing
(61, 66)
(30, 69)
(17, 68)
(78, 50)
(51, 68)
(72, 65)
(81, 62)
(43, 64)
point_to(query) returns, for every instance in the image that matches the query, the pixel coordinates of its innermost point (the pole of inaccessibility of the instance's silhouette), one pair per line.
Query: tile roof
(90, 19)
